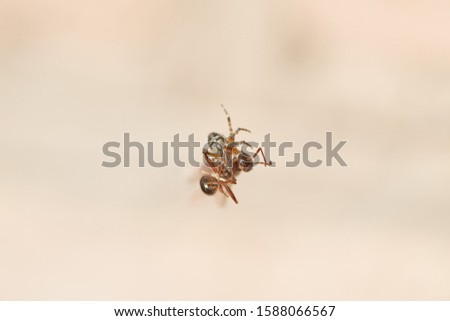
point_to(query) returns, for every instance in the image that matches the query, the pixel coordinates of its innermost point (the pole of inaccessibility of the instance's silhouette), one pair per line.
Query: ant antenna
(228, 118)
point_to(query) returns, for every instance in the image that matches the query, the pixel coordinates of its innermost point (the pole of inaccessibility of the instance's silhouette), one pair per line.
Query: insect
(224, 155)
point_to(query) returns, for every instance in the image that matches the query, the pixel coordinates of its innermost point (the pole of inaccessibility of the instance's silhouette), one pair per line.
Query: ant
(222, 151)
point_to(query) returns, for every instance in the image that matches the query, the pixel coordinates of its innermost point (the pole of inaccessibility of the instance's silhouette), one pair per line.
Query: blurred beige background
(74, 75)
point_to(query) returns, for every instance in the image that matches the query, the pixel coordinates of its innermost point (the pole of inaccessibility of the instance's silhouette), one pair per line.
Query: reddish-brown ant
(225, 157)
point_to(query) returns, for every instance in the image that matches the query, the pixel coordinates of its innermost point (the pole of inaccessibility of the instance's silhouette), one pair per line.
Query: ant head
(246, 162)
(209, 184)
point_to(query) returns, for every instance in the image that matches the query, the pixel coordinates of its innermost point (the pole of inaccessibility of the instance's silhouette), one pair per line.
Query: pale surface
(74, 75)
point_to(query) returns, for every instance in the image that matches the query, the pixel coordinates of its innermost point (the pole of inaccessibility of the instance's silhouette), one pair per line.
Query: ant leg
(262, 163)
(239, 129)
(230, 128)
(210, 164)
(230, 193)
(222, 191)
(242, 142)
(245, 143)
(264, 157)
(229, 119)
(229, 181)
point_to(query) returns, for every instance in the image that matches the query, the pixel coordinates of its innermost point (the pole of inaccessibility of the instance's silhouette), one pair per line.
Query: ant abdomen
(209, 185)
